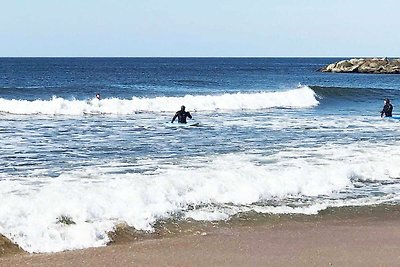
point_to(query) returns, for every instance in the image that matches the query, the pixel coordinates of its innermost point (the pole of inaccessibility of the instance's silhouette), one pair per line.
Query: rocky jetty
(365, 65)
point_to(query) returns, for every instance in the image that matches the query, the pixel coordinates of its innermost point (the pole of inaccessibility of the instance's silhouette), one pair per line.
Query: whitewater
(295, 98)
(97, 199)
(96, 194)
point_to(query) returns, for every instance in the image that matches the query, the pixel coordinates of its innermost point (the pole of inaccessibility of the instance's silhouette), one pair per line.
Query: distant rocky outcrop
(365, 65)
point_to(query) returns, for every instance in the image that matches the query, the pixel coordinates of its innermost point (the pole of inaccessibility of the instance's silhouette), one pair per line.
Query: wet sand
(368, 240)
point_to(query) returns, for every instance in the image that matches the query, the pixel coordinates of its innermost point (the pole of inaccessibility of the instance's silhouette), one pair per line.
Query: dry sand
(368, 240)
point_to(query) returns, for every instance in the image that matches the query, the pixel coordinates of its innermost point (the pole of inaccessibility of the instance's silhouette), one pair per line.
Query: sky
(206, 28)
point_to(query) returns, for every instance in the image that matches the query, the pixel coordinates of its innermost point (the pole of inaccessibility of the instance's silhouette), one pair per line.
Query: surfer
(98, 96)
(182, 115)
(387, 108)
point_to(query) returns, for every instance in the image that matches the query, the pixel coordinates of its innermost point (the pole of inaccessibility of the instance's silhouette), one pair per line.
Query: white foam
(96, 199)
(225, 212)
(297, 98)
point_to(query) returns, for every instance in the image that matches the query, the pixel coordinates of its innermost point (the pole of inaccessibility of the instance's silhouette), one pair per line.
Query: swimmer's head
(183, 108)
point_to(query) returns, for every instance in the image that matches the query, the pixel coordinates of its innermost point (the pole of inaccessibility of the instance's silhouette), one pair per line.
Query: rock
(365, 65)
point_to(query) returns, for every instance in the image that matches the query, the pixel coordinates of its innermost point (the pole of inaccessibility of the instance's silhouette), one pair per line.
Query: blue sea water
(274, 136)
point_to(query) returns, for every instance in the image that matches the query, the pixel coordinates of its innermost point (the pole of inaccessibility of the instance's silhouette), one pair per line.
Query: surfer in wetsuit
(387, 109)
(98, 96)
(182, 115)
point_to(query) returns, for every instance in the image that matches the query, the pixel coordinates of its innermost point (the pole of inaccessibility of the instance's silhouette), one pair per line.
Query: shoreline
(369, 237)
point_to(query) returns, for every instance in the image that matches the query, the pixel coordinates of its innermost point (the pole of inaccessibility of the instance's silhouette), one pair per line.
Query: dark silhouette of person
(98, 96)
(387, 109)
(182, 115)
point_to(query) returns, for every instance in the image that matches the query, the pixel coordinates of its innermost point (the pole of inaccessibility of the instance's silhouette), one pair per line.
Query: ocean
(274, 136)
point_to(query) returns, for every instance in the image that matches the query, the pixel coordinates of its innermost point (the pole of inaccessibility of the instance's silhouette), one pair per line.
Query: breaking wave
(78, 209)
(303, 97)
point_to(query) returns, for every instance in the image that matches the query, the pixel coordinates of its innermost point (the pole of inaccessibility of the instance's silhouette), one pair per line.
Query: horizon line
(199, 57)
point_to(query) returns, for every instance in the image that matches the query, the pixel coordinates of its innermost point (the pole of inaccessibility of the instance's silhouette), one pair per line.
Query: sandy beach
(368, 239)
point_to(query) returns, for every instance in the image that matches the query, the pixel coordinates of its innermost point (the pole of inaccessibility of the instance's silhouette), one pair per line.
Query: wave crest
(303, 97)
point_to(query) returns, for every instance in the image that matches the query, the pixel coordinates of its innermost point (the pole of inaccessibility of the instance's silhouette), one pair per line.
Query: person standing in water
(181, 115)
(387, 109)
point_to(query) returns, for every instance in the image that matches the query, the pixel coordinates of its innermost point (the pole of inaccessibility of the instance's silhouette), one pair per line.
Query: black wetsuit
(387, 110)
(182, 115)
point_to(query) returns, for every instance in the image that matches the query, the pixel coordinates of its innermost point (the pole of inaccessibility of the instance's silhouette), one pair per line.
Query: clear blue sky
(200, 28)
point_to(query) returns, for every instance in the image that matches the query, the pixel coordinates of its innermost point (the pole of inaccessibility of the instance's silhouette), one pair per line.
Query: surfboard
(93, 113)
(184, 125)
